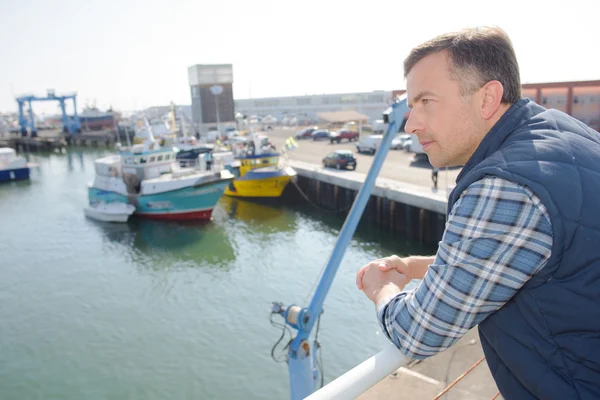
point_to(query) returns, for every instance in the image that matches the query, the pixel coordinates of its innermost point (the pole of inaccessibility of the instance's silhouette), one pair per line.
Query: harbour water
(160, 310)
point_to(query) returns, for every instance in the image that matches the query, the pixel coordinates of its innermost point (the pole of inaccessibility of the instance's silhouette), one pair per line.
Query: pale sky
(135, 54)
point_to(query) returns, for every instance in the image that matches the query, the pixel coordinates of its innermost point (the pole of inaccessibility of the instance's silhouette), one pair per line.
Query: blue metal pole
(303, 374)
(301, 357)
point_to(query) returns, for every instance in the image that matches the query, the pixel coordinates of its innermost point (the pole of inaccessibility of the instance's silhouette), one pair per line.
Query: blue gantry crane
(71, 124)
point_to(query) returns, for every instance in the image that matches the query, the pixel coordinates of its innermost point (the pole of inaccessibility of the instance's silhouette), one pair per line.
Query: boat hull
(181, 216)
(7, 175)
(98, 216)
(189, 203)
(97, 122)
(256, 185)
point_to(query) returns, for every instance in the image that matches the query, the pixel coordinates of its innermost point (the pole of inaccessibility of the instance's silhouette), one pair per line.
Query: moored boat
(12, 167)
(259, 171)
(149, 177)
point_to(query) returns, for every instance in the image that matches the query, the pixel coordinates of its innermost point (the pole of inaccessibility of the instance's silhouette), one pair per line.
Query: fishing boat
(93, 119)
(149, 177)
(12, 167)
(258, 171)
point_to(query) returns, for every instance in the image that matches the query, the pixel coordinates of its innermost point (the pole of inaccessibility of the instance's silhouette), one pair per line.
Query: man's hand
(385, 264)
(379, 285)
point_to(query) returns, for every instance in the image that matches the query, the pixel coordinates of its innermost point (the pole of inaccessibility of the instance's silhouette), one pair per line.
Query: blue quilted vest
(545, 342)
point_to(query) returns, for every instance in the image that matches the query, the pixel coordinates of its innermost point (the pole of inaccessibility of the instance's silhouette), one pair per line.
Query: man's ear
(491, 99)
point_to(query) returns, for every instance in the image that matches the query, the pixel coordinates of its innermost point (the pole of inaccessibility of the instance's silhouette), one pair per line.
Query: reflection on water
(194, 243)
(165, 310)
(75, 156)
(249, 210)
(257, 216)
(5, 187)
(370, 237)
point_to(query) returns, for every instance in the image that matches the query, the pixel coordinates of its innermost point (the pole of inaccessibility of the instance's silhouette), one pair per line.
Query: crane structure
(71, 124)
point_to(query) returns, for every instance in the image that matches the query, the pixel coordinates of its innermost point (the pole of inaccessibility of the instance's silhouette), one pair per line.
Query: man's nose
(414, 123)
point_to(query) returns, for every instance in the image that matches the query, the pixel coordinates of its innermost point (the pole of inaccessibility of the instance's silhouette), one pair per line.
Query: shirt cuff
(381, 311)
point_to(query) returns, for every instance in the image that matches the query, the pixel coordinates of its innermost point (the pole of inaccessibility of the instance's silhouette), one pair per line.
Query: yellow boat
(259, 176)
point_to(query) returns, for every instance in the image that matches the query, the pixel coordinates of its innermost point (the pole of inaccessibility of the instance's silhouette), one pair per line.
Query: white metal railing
(367, 374)
(362, 377)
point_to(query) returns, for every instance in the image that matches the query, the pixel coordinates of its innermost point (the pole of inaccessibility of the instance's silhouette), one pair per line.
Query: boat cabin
(7, 155)
(9, 159)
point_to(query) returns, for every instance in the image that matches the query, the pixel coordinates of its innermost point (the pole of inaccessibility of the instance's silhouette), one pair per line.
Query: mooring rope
(443, 392)
(315, 204)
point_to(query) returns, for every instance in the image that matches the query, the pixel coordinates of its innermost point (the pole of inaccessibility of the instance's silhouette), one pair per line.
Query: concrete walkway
(402, 192)
(428, 378)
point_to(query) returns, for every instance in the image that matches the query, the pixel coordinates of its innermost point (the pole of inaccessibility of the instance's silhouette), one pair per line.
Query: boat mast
(149, 128)
(174, 122)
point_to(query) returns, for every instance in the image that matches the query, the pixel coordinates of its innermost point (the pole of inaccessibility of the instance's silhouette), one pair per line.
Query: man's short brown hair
(476, 56)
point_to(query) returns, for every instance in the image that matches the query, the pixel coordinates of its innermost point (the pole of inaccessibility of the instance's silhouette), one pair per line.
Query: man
(520, 256)
(209, 160)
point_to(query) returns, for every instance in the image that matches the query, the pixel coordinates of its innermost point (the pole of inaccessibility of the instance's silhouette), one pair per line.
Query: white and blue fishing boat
(12, 167)
(148, 177)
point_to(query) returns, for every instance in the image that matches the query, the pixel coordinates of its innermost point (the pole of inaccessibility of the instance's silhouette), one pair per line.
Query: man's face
(447, 123)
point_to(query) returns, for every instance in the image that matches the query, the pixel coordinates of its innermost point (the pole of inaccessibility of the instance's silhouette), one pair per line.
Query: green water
(159, 310)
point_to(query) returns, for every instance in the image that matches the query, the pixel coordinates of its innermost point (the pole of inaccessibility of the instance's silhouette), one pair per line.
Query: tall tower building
(211, 87)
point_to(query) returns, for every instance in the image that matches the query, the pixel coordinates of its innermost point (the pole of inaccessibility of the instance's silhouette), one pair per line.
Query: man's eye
(425, 101)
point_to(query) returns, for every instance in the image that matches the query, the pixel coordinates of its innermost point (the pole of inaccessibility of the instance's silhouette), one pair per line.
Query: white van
(369, 144)
(379, 126)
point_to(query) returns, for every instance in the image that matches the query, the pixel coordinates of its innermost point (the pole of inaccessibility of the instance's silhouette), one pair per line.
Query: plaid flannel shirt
(498, 235)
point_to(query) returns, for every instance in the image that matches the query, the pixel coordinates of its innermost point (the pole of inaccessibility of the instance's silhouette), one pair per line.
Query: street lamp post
(216, 90)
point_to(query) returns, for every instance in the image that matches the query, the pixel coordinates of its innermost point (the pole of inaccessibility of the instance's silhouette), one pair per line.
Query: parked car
(306, 133)
(340, 159)
(400, 142)
(320, 134)
(369, 144)
(343, 134)
(407, 140)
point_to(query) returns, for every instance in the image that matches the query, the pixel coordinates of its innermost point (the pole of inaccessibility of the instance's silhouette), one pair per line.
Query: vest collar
(519, 111)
